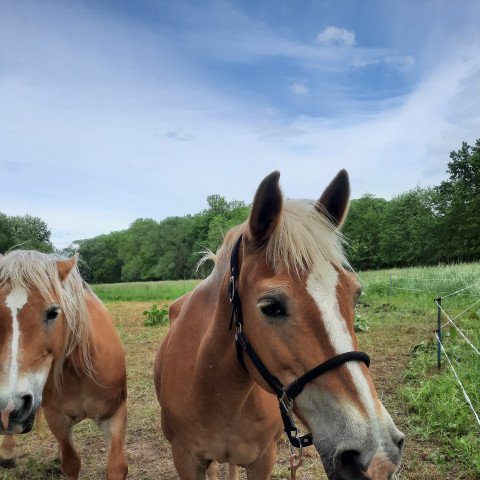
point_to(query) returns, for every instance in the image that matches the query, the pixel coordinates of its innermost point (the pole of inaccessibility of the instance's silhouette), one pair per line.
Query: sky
(115, 110)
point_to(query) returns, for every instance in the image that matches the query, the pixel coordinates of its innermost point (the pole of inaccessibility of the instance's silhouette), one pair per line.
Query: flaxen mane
(30, 269)
(303, 240)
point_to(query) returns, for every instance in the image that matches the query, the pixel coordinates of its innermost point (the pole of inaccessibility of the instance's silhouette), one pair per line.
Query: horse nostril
(348, 464)
(25, 408)
(400, 444)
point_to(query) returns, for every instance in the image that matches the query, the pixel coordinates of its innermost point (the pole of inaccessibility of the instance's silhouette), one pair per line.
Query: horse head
(298, 299)
(32, 332)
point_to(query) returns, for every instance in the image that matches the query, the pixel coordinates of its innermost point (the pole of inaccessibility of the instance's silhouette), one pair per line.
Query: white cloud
(337, 36)
(299, 89)
(92, 140)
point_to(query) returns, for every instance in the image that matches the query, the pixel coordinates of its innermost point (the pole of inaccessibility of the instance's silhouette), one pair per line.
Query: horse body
(298, 301)
(74, 371)
(216, 417)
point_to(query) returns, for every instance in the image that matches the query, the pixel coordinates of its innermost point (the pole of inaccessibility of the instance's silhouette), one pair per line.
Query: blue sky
(112, 110)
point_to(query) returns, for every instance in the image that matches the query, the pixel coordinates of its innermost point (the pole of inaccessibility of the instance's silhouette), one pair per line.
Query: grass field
(442, 439)
(144, 291)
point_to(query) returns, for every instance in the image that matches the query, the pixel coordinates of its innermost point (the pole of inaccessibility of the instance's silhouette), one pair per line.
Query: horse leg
(61, 427)
(114, 431)
(186, 466)
(233, 472)
(213, 471)
(261, 469)
(8, 453)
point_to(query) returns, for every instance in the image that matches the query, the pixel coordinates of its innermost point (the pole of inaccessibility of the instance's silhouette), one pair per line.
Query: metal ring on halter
(286, 402)
(231, 289)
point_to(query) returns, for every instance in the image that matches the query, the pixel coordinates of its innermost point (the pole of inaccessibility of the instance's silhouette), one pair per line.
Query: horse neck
(219, 342)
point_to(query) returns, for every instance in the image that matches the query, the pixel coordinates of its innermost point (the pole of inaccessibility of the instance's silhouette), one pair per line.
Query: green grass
(144, 291)
(436, 406)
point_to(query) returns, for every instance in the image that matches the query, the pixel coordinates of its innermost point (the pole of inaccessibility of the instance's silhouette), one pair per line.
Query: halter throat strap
(285, 394)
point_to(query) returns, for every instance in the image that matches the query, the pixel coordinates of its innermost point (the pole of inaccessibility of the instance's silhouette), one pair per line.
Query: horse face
(31, 337)
(295, 322)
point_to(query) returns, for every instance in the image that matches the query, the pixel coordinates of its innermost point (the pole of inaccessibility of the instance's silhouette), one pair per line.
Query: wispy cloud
(336, 36)
(299, 89)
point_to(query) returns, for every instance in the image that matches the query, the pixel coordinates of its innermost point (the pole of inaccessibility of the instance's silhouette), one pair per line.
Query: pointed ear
(64, 267)
(266, 209)
(335, 199)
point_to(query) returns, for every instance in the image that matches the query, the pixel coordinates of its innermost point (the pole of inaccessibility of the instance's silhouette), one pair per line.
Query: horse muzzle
(357, 461)
(17, 413)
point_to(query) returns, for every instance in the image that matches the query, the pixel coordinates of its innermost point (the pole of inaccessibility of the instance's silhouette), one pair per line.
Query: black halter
(284, 394)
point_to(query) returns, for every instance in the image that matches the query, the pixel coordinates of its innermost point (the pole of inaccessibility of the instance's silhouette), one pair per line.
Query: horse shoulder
(176, 307)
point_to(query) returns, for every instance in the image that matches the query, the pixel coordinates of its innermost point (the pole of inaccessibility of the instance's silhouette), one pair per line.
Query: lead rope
(296, 460)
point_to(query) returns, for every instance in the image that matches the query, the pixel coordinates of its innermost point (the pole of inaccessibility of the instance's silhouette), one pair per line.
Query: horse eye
(272, 308)
(51, 313)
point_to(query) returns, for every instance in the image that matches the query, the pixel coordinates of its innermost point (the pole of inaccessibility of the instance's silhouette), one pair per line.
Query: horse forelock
(36, 271)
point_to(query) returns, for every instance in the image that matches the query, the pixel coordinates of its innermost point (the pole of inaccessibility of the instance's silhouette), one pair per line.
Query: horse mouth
(18, 428)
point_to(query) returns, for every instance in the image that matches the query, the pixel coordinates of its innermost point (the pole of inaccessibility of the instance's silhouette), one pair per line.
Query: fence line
(461, 290)
(465, 394)
(461, 313)
(450, 321)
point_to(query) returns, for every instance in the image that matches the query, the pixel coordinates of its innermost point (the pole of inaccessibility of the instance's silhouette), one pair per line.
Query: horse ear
(335, 199)
(64, 267)
(266, 208)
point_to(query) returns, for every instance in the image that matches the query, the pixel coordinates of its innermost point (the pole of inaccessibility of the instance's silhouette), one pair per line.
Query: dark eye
(272, 308)
(51, 314)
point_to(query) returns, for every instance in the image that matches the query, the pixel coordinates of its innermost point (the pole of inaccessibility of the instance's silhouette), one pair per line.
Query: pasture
(442, 438)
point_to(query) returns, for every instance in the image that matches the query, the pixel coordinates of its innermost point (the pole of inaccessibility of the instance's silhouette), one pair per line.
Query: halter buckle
(239, 330)
(285, 402)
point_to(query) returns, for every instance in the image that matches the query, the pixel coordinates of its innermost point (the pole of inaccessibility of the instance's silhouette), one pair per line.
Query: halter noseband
(284, 394)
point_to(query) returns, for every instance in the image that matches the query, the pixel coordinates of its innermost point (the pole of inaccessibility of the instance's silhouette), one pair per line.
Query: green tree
(100, 261)
(26, 232)
(363, 232)
(459, 205)
(407, 236)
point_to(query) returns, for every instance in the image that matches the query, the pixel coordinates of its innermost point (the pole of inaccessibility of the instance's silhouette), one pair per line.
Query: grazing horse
(59, 349)
(277, 309)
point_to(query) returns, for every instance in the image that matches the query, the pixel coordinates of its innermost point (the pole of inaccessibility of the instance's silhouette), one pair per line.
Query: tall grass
(438, 410)
(144, 291)
(432, 281)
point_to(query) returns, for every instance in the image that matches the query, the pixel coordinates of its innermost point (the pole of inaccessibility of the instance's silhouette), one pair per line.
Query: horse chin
(16, 428)
(328, 465)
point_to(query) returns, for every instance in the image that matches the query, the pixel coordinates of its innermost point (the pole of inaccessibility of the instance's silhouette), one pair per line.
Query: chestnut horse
(59, 349)
(285, 277)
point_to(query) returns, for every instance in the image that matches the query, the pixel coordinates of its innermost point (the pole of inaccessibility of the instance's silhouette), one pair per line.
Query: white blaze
(322, 286)
(15, 301)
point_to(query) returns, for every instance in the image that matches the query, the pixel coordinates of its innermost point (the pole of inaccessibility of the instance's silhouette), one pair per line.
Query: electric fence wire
(450, 321)
(461, 290)
(465, 394)
(461, 313)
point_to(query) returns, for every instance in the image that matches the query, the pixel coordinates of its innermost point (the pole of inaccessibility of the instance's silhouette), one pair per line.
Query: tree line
(423, 226)
(27, 232)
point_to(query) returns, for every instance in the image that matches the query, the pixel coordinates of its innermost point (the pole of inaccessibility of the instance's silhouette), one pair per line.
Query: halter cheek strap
(284, 394)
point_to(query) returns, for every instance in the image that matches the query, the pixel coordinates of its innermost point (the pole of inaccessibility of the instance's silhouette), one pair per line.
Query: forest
(424, 226)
